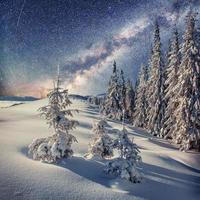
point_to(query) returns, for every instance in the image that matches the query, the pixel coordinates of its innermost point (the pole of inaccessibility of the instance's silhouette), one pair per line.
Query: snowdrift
(169, 173)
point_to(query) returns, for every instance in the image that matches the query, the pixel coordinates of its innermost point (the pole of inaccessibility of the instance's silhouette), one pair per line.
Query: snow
(7, 101)
(168, 173)
(5, 104)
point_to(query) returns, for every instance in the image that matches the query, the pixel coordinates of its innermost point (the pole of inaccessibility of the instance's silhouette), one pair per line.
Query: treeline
(166, 97)
(119, 100)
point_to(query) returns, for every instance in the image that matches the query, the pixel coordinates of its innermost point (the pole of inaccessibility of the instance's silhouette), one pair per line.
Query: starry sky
(83, 37)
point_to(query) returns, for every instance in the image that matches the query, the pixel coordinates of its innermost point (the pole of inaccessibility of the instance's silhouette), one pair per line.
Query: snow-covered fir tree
(136, 85)
(56, 114)
(140, 110)
(122, 84)
(187, 130)
(125, 166)
(102, 144)
(111, 107)
(95, 100)
(130, 100)
(173, 63)
(155, 87)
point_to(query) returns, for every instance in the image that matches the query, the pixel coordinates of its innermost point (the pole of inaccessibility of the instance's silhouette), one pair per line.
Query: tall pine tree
(187, 130)
(122, 84)
(140, 110)
(155, 89)
(130, 100)
(111, 106)
(170, 83)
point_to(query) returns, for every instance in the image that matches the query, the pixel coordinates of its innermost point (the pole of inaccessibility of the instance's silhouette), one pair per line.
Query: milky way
(83, 37)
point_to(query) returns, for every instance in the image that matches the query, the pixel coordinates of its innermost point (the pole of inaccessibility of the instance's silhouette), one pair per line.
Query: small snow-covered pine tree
(111, 107)
(187, 130)
(125, 166)
(155, 87)
(170, 84)
(140, 110)
(56, 114)
(102, 144)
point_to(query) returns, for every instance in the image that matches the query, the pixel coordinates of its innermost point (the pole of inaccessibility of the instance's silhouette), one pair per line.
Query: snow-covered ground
(168, 173)
(6, 104)
(8, 101)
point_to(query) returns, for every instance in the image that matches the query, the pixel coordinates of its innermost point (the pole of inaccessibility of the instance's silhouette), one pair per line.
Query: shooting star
(21, 10)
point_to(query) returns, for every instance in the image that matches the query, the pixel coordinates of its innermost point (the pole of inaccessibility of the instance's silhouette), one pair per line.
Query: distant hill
(17, 98)
(85, 98)
(101, 95)
(76, 96)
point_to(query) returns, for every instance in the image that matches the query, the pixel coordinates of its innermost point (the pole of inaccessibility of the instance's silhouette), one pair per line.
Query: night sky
(83, 37)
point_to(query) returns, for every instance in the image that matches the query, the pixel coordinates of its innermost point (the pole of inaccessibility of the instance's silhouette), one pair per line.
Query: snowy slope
(169, 174)
(6, 104)
(7, 101)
